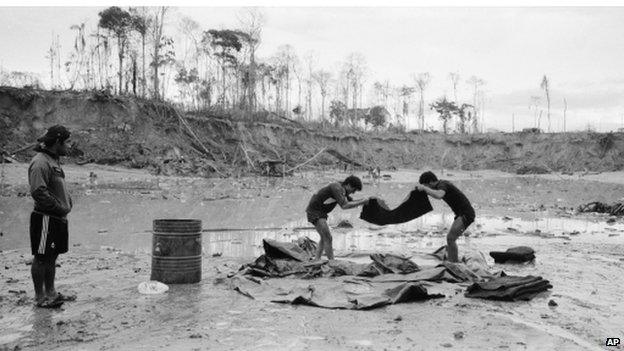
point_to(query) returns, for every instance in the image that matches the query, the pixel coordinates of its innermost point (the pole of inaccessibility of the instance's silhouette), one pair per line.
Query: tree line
(131, 52)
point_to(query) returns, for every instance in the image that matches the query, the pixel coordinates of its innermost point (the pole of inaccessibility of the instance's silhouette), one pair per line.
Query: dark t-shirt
(457, 201)
(326, 199)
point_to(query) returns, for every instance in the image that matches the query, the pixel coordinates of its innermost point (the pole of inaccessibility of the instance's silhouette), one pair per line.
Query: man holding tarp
(324, 201)
(457, 201)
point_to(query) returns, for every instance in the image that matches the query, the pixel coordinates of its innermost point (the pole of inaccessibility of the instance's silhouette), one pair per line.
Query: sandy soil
(582, 256)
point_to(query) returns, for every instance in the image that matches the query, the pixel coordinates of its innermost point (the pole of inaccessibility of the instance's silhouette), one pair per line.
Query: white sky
(580, 49)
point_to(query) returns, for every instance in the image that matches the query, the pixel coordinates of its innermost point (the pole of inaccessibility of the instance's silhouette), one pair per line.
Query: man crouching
(457, 201)
(323, 202)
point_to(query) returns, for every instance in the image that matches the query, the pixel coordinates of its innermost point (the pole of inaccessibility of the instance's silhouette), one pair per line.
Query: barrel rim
(177, 220)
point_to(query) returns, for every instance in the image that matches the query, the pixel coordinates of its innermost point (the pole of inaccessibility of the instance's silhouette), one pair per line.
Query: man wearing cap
(48, 221)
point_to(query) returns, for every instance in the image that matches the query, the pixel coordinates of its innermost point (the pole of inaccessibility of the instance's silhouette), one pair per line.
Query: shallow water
(421, 235)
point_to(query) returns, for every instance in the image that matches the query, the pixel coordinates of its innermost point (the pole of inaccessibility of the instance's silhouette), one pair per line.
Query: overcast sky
(580, 49)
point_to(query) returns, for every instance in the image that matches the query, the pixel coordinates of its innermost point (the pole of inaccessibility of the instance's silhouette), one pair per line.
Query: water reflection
(422, 234)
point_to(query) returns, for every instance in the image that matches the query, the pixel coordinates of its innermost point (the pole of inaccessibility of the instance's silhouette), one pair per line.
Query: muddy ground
(581, 254)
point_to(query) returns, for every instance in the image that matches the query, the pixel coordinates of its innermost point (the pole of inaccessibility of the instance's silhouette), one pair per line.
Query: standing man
(324, 201)
(457, 201)
(48, 221)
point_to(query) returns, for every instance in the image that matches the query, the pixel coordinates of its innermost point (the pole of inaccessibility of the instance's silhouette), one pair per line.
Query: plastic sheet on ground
(342, 284)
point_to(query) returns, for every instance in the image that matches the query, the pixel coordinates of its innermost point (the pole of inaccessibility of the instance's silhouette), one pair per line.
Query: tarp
(509, 288)
(377, 212)
(516, 254)
(387, 279)
(343, 284)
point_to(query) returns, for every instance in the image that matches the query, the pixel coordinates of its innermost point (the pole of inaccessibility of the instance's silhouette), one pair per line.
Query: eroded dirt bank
(156, 136)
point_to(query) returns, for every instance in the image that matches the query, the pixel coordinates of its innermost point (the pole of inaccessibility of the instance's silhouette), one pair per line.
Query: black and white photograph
(329, 175)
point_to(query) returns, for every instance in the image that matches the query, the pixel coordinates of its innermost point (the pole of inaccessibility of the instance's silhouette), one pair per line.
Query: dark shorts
(314, 217)
(48, 235)
(467, 219)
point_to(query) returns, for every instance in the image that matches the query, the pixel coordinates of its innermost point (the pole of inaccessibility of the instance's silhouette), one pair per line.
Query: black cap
(57, 132)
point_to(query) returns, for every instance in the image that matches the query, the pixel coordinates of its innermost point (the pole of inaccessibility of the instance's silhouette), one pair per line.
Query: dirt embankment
(148, 134)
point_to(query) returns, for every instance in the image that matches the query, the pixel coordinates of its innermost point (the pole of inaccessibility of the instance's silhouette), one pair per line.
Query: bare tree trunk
(565, 109)
(323, 107)
(120, 54)
(143, 81)
(252, 80)
(159, 23)
(134, 76)
(548, 104)
(421, 110)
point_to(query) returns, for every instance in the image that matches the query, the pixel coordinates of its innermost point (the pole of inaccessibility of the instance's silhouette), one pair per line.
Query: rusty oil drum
(177, 251)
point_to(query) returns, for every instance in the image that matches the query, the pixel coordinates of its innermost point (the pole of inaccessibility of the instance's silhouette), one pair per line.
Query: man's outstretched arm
(438, 194)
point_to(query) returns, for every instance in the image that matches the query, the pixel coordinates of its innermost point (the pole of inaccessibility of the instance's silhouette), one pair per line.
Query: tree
(464, 114)
(338, 112)
(76, 63)
(545, 85)
(565, 109)
(534, 104)
(141, 23)
(228, 43)
(309, 60)
(447, 109)
(454, 76)
(377, 116)
(54, 55)
(422, 81)
(322, 79)
(187, 81)
(355, 68)
(285, 60)
(406, 92)
(118, 22)
(476, 83)
(157, 36)
(252, 21)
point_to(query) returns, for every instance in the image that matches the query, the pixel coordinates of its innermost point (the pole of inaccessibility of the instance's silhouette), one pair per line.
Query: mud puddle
(424, 234)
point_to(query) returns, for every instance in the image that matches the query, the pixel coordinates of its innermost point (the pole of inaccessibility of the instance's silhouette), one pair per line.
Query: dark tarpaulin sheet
(517, 254)
(509, 288)
(343, 284)
(377, 212)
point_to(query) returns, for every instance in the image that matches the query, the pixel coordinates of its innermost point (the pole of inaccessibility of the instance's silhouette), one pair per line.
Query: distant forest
(132, 52)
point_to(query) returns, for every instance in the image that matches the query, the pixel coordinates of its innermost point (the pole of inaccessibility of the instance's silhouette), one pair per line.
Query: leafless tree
(454, 76)
(545, 85)
(422, 81)
(322, 79)
(476, 83)
(286, 57)
(309, 60)
(355, 68)
(156, 32)
(534, 105)
(565, 109)
(252, 20)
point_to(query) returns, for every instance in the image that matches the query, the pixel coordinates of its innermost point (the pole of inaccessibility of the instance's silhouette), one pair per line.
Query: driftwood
(249, 161)
(308, 161)
(343, 158)
(289, 120)
(190, 130)
(616, 209)
(185, 123)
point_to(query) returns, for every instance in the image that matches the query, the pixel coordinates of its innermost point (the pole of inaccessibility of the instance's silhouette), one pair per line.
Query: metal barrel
(177, 251)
